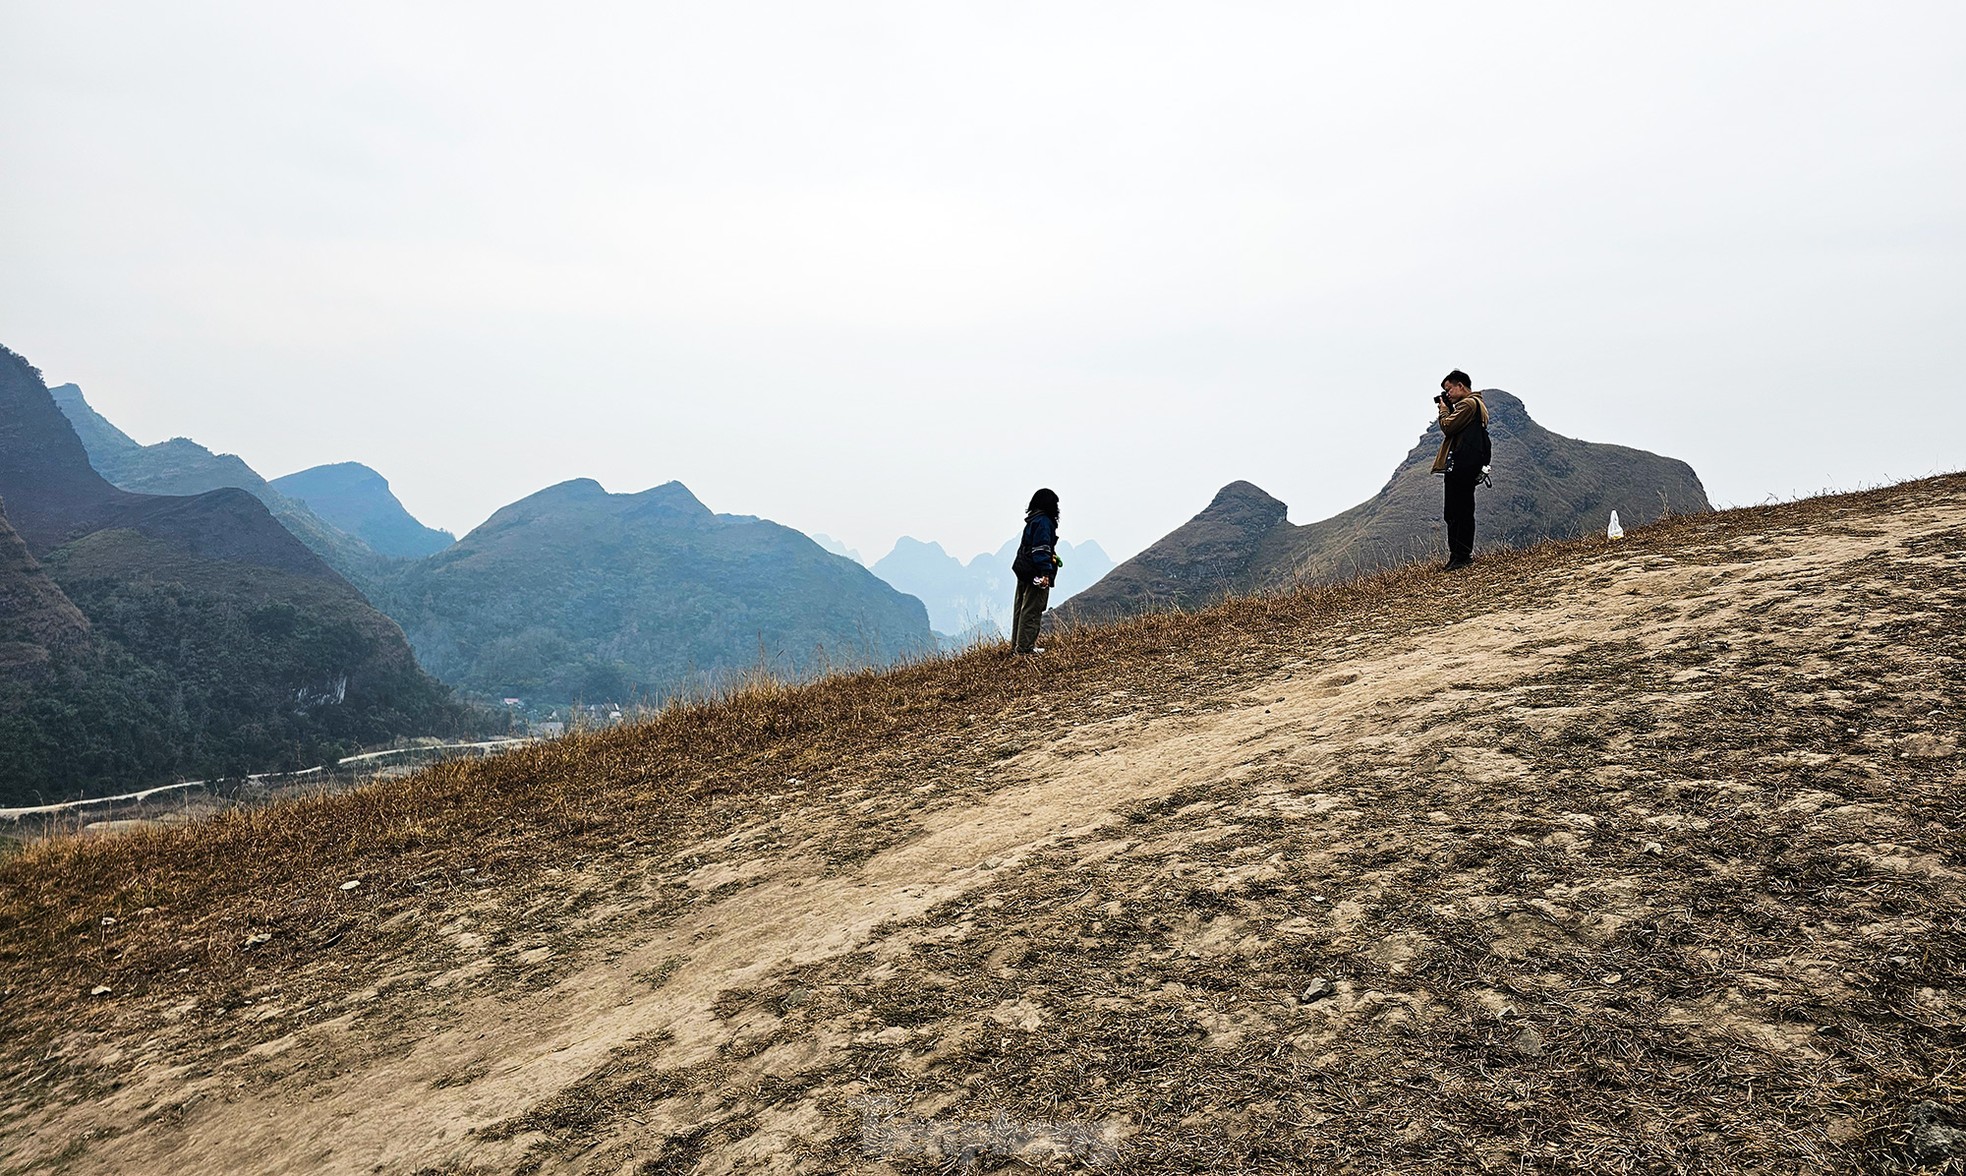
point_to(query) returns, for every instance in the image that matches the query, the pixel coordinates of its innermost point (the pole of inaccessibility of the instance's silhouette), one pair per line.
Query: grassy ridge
(1594, 1067)
(212, 885)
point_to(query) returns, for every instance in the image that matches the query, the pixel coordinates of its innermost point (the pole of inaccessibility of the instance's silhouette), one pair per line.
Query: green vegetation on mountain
(210, 642)
(1546, 487)
(575, 593)
(181, 466)
(40, 621)
(355, 498)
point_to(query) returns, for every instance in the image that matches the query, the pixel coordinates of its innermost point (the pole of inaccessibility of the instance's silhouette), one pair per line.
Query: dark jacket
(1034, 551)
(1455, 417)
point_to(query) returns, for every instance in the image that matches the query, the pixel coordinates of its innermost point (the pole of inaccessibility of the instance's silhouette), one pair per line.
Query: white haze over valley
(882, 269)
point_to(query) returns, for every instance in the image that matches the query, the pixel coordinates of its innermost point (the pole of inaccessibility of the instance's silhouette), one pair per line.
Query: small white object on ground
(100, 990)
(1614, 531)
(351, 884)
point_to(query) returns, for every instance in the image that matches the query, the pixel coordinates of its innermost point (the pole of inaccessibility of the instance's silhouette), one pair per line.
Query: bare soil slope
(1606, 857)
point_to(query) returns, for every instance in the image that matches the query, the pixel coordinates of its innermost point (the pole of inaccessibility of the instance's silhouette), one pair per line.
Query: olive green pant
(1026, 615)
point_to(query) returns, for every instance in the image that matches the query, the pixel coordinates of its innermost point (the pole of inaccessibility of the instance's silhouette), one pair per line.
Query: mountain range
(172, 612)
(576, 593)
(181, 466)
(1545, 486)
(571, 593)
(174, 634)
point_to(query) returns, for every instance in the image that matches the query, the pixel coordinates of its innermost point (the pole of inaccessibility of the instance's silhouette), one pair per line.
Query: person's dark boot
(1460, 543)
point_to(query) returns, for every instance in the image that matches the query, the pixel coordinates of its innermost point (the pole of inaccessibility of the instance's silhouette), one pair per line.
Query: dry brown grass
(1591, 1069)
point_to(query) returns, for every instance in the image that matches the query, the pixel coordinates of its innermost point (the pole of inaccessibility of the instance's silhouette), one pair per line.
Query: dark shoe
(1455, 565)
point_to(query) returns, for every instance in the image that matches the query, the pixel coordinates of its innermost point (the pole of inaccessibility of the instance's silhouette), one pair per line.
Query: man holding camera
(1462, 461)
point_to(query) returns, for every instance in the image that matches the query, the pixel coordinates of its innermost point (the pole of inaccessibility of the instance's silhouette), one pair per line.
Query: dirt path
(1432, 826)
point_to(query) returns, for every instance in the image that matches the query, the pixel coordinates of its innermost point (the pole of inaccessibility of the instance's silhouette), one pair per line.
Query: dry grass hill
(1633, 857)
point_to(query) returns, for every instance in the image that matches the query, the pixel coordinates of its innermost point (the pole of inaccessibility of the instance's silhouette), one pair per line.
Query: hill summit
(574, 593)
(1655, 866)
(1546, 486)
(357, 499)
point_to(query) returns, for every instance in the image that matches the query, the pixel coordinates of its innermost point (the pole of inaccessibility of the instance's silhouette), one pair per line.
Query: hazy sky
(873, 269)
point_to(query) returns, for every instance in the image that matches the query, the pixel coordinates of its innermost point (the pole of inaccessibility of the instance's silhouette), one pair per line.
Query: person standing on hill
(1463, 456)
(1036, 566)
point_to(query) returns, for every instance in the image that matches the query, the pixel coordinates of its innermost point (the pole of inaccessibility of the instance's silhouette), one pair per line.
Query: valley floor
(1604, 857)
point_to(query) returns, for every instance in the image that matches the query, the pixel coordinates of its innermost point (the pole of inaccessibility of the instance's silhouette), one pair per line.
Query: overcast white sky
(874, 269)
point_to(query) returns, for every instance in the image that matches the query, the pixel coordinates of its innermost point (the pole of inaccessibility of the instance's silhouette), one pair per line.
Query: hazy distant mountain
(973, 598)
(177, 466)
(575, 593)
(216, 642)
(358, 500)
(1545, 487)
(182, 466)
(939, 580)
(837, 548)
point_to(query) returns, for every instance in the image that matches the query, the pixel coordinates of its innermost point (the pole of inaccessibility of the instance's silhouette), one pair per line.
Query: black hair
(1044, 502)
(1457, 376)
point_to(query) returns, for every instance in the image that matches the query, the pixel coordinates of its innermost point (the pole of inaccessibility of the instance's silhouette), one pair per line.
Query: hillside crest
(1653, 867)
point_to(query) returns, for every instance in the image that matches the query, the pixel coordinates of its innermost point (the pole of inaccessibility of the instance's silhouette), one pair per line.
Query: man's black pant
(1460, 516)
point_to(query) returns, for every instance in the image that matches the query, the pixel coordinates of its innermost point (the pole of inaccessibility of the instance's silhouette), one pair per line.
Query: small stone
(351, 884)
(1318, 990)
(1529, 1043)
(1613, 977)
(256, 940)
(1932, 1141)
(1653, 848)
(100, 990)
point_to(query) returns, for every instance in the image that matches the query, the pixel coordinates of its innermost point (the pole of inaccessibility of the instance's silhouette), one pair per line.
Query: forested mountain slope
(181, 466)
(217, 644)
(577, 594)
